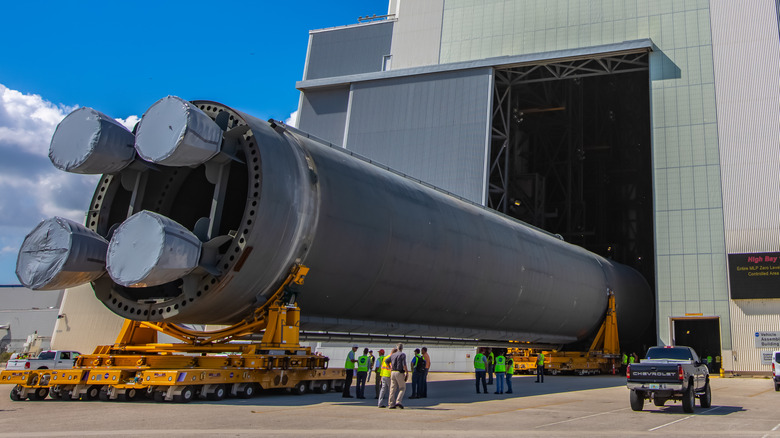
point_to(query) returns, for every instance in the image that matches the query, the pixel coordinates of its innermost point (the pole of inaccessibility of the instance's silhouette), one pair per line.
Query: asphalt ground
(562, 406)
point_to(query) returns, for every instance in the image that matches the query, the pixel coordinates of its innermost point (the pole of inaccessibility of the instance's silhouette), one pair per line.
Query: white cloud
(129, 122)
(31, 188)
(292, 120)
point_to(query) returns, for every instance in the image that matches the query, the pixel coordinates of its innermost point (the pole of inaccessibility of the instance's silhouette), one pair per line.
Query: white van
(776, 369)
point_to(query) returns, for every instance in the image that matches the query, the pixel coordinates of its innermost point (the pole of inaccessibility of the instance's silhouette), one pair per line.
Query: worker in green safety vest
(500, 373)
(363, 363)
(491, 365)
(377, 371)
(510, 371)
(480, 367)
(540, 367)
(349, 367)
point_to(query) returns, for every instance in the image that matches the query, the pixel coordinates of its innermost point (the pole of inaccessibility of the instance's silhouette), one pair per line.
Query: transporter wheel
(55, 393)
(637, 399)
(103, 395)
(158, 396)
(93, 393)
(186, 396)
(688, 400)
(15, 394)
(39, 394)
(218, 394)
(301, 388)
(322, 386)
(67, 395)
(705, 400)
(249, 391)
(338, 385)
(130, 395)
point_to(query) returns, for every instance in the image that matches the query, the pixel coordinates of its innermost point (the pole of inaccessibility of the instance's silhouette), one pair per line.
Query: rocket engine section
(206, 218)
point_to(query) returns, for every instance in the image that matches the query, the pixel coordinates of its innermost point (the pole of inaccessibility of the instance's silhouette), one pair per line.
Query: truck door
(62, 357)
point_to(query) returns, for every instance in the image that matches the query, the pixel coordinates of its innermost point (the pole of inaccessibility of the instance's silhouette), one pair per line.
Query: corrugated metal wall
(323, 113)
(433, 127)
(746, 56)
(417, 34)
(349, 50)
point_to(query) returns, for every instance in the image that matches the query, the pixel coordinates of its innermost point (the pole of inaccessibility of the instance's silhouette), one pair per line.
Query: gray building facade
(647, 131)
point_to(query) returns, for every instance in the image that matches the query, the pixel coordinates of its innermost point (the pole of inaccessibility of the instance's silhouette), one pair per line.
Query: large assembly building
(647, 132)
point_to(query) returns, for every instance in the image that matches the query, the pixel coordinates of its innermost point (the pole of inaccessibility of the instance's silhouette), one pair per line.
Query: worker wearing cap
(371, 363)
(349, 366)
(377, 371)
(363, 363)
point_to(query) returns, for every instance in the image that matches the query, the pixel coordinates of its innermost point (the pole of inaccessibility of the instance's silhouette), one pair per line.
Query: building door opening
(701, 334)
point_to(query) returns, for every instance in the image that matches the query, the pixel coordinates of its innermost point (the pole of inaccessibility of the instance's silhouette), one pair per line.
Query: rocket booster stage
(201, 213)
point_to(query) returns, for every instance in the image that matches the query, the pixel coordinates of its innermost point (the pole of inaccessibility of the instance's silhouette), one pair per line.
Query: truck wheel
(688, 400)
(16, 393)
(93, 392)
(301, 388)
(705, 400)
(637, 399)
(777, 386)
(186, 396)
(39, 394)
(218, 394)
(322, 386)
(249, 391)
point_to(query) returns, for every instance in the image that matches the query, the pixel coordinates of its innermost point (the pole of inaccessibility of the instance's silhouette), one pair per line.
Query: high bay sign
(768, 340)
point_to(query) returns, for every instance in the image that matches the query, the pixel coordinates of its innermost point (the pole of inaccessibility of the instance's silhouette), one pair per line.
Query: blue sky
(121, 57)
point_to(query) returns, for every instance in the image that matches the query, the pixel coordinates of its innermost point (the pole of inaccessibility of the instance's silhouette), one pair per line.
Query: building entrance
(701, 334)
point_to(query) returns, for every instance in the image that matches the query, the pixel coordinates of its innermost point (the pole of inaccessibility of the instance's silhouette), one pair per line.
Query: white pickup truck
(51, 359)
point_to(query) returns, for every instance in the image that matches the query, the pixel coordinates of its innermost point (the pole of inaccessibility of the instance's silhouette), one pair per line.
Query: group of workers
(391, 373)
(487, 363)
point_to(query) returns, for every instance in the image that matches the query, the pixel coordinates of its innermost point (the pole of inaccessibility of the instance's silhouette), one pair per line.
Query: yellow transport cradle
(602, 357)
(204, 364)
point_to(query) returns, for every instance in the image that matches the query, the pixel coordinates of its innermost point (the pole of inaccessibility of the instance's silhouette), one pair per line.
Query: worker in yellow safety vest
(540, 367)
(480, 366)
(377, 370)
(500, 373)
(349, 367)
(385, 369)
(510, 371)
(491, 366)
(363, 363)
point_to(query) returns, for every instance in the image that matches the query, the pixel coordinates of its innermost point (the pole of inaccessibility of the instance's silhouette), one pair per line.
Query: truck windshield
(669, 353)
(46, 355)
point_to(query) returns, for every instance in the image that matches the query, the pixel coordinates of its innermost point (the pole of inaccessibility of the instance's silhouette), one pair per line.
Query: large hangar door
(571, 152)
(701, 334)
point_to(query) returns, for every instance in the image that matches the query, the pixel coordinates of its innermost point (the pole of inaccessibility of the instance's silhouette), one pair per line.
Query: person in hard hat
(349, 366)
(385, 370)
(363, 363)
(377, 370)
(480, 366)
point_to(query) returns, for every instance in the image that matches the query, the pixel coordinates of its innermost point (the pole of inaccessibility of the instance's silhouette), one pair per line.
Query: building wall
(85, 322)
(417, 33)
(348, 50)
(323, 113)
(24, 312)
(746, 49)
(433, 127)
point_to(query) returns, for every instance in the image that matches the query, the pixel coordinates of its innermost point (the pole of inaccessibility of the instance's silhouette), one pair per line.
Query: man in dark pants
(540, 368)
(349, 366)
(427, 358)
(480, 366)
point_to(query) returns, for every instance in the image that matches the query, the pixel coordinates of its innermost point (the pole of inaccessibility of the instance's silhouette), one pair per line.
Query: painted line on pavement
(506, 411)
(683, 419)
(580, 418)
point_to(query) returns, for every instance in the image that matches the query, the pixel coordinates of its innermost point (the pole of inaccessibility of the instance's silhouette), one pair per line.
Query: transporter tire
(689, 399)
(705, 400)
(55, 393)
(322, 386)
(158, 396)
(637, 399)
(93, 393)
(218, 394)
(130, 395)
(186, 396)
(103, 395)
(301, 388)
(39, 394)
(338, 386)
(15, 394)
(249, 391)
